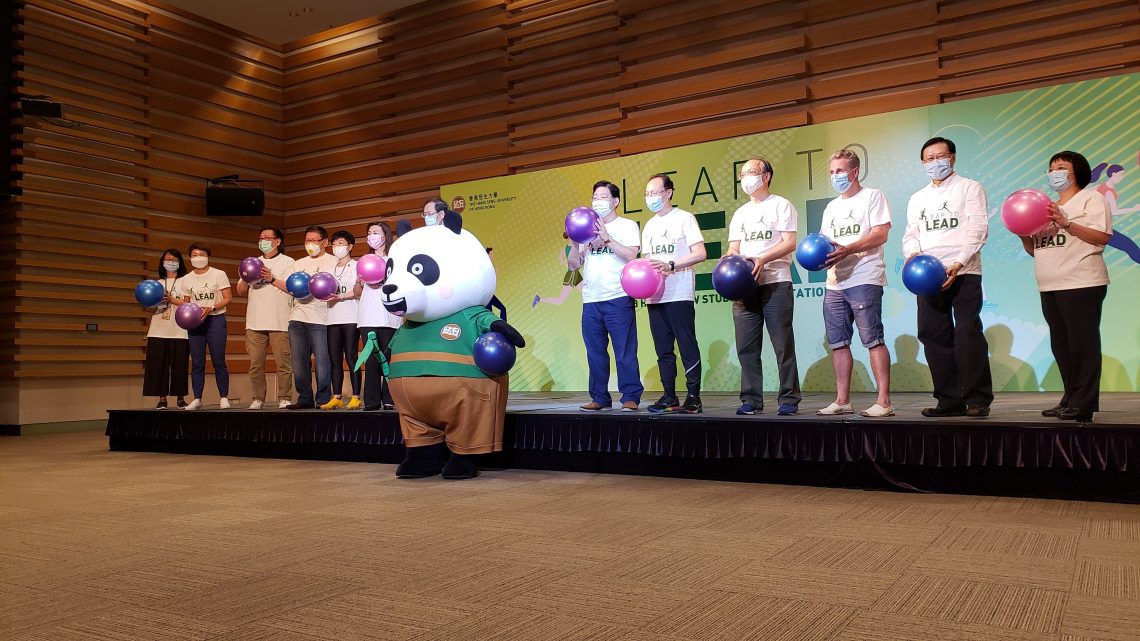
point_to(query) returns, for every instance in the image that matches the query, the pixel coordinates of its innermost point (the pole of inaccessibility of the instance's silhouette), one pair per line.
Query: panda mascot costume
(439, 279)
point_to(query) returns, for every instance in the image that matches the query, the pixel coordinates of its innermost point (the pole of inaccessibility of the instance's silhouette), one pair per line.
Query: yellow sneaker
(354, 403)
(333, 403)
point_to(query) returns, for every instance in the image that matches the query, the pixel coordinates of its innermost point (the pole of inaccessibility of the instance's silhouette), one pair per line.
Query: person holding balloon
(672, 242)
(856, 223)
(948, 220)
(371, 271)
(267, 315)
(607, 310)
(308, 323)
(1068, 256)
(167, 346)
(207, 288)
(344, 314)
(763, 230)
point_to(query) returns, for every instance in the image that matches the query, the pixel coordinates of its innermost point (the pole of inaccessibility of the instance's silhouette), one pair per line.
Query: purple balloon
(1025, 212)
(323, 286)
(250, 269)
(188, 315)
(371, 269)
(580, 224)
(640, 280)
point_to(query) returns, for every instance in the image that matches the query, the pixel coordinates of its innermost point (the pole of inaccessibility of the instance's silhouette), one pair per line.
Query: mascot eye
(391, 266)
(424, 268)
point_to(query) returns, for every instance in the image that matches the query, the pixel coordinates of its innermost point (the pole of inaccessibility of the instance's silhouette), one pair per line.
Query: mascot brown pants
(466, 413)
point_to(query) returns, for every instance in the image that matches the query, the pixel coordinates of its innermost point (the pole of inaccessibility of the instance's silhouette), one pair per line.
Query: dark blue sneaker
(747, 409)
(787, 409)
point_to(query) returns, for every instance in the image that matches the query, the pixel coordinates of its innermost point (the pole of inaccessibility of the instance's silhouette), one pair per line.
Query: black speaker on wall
(230, 196)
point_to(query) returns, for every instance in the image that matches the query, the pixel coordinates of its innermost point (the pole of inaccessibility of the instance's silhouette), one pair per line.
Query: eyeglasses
(654, 194)
(753, 172)
(944, 156)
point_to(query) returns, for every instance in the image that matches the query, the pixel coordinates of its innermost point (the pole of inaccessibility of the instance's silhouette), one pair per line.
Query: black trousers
(167, 367)
(375, 387)
(671, 323)
(1073, 316)
(950, 329)
(342, 339)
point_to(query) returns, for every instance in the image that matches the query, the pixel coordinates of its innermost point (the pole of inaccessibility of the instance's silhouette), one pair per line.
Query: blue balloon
(732, 277)
(812, 252)
(149, 293)
(924, 274)
(298, 284)
(494, 354)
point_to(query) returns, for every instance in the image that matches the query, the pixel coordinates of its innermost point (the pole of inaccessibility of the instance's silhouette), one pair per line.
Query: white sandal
(878, 411)
(835, 409)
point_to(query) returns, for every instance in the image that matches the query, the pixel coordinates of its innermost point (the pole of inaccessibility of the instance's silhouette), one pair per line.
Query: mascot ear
(403, 227)
(453, 221)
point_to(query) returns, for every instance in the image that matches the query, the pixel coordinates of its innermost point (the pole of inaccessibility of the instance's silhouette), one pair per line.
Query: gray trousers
(769, 305)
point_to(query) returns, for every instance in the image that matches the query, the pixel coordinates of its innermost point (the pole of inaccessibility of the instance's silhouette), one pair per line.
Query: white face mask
(751, 183)
(340, 251)
(170, 265)
(602, 206)
(1059, 180)
(313, 249)
(199, 261)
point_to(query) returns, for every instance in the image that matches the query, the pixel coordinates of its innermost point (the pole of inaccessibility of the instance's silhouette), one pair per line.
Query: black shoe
(389, 406)
(1075, 414)
(692, 405)
(459, 467)
(978, 411)
(422, 462)
(371, 408)
(935, 412)
(665, 404)
(181, 402)
(1052, 412)
(300, 406)
(161, 405)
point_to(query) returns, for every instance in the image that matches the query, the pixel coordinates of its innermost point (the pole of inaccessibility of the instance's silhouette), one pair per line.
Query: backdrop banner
(1003, 141)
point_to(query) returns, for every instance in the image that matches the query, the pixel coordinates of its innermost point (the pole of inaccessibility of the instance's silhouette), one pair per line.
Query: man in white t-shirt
(607, 311)
(308, 327)
(673, 243)
(948, 219)
(267, 319)
(857, 222)
(763, 230)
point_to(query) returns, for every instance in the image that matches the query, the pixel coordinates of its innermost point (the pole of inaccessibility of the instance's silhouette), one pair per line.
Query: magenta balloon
(323, 286)
(371, 269)
(1026, 212)
(250, 269)
(580, 224)
(188, 315)
(640, 280)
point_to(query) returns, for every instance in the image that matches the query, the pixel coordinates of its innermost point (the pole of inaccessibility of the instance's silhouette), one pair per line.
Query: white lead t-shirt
(1062, 260)
(667, 237)
(344, 312)
(269, 307)
(311, 310)
(601, 267)
(760, 226)
(846, 220)
(203, 289)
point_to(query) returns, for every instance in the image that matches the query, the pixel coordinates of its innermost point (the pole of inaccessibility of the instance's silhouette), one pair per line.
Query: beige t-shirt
(204, 289)
(761, 226)
(1064, 261)
(269, 307)
(162, 323)
(311, 310)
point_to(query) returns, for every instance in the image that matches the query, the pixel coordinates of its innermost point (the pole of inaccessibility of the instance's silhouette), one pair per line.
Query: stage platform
(1013, 452)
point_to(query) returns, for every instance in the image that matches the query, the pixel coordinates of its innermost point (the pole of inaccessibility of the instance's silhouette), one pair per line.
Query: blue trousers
(211, 333)
(310, 340)
(602, 322)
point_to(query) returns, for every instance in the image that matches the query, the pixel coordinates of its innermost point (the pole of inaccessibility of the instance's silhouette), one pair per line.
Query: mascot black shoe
(439, 279)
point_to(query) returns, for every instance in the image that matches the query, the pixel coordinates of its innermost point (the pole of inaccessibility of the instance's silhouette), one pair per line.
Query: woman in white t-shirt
(343, 334)
(1073, 279)
(167, 348)
(373, 318)
(209, 288)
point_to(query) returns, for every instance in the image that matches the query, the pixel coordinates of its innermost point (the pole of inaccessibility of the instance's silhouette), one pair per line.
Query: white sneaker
(878, 411)
(256, 404)
(285, 403)
(224, 404)
(195, 404)
(835, 409)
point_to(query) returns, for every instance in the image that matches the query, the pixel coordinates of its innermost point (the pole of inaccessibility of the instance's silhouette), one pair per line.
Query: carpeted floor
(135, 546)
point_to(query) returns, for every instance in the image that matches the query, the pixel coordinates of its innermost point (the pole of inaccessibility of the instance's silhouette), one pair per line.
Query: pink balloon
(1026, 212)
(640, 280)
(323, 286)
(371, 269)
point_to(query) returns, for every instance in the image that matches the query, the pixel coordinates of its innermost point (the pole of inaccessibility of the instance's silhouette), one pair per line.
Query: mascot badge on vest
(439, 279)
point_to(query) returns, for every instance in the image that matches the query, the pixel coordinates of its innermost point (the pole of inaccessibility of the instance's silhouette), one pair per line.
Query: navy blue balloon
(494, 354)
(149, 293)
(732, 277)
(298, 284)
(813, 250)
(924, 274)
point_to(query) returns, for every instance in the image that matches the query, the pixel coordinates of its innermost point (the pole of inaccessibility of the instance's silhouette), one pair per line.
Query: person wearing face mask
(763, 230)
(673, 243)
(308, 327)
(209, 288)
(607, 311)
(167, 346)
(857, 222)
(344, 314)
(948, 219)
(1068, 257)
(434, 211)
(267, 319)
(374, 318)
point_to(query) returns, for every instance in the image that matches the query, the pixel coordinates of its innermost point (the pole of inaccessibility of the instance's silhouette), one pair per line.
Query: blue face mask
(938, 169)
(655, 204)
(1059, 180)
(840, 182)
(431, 220)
